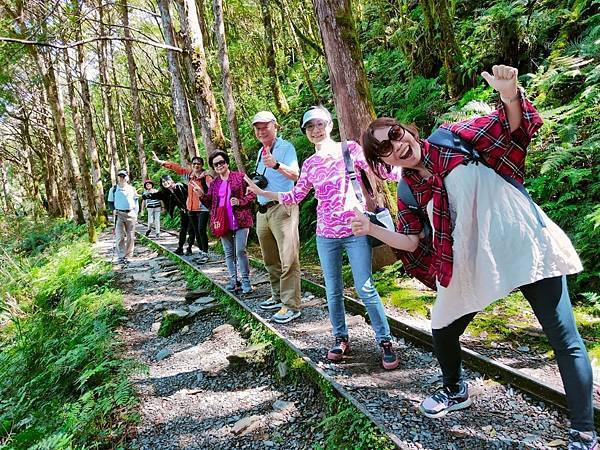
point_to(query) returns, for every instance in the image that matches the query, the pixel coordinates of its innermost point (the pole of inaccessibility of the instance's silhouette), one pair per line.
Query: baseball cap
(148, 181)
(122, 173)
(263, 116)
(315, 113)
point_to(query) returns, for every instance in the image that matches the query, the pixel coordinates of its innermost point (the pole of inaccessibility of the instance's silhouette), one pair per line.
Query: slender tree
(271, 53)
(196, 65)
(236, 147)
(135, 96)
(185, 131)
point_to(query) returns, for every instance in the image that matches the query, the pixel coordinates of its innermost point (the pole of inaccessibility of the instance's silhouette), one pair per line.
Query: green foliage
(349, 428)
(64, 384)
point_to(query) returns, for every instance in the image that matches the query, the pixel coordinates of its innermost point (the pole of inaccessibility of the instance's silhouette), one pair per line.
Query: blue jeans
(234, 246)
(549, 299)
(359, 254)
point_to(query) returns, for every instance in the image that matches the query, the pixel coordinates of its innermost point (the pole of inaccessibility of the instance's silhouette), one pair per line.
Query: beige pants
(125, 233)
(277, 231)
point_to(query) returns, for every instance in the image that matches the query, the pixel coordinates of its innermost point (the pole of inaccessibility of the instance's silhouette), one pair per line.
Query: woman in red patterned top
(488, 239)
(231, 217)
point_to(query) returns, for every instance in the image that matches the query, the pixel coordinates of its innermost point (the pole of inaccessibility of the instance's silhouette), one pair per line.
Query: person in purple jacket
(231, 217)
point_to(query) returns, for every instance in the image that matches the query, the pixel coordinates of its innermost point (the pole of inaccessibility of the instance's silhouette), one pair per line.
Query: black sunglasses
(395, 133)
(220, 162)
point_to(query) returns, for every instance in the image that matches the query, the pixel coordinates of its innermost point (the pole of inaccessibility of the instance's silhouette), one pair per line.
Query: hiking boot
(189, 252)
(202, 257)
(147, 232)
(270, 305)
(285, 315)
(341, 347)
(580, 440)
(389, 360)
(445, 400)
(178, 251)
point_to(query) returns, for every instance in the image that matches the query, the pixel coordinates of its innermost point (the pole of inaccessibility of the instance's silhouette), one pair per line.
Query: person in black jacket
(175, 195)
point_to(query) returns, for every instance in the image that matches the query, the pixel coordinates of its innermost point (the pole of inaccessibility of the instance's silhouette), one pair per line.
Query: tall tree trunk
(135, 96)
(210, 124)
(110, 139)
(70, 168)
(90, 138)
(298, 47)
(7, 197)
(350, 88)
(86, 177)
(271, 53)
(185, 131)
(206, 35)
(440, 28)
(121, 135)
(236, 147)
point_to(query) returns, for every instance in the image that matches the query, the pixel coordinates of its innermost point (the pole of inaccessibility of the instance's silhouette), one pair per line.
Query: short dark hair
(372, 147)
(198, 159)
(212, 157)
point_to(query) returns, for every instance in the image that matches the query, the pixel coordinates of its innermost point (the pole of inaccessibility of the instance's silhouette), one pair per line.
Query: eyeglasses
(395, 133)
(218, 163)
(315, 125)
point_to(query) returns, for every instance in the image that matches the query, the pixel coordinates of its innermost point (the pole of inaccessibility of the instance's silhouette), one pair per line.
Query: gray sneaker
(445, 400)
(285, 315)
(270, 305)
(583, 441)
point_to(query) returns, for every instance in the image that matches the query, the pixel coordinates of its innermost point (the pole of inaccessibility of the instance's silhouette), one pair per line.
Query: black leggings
(549, 299)
(199, 223)
(184, 228)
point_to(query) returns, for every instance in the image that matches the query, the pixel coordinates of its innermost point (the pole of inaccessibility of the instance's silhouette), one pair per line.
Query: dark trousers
(184, 229)
(199, 223)
(549, 299)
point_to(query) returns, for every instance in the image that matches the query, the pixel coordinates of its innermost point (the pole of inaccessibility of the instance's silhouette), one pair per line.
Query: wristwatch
(276, 166)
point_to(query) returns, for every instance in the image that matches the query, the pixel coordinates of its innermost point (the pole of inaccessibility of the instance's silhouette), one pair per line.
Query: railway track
(522, 413)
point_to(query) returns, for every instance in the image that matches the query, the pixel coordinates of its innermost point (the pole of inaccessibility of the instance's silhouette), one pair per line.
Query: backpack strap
(405, 193)
(352, 173)
(446, 138)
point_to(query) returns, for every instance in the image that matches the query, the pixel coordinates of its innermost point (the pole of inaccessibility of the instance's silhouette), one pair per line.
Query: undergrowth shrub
(64, 383)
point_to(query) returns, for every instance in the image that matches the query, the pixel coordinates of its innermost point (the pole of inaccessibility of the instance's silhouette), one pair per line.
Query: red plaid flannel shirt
(504, 151)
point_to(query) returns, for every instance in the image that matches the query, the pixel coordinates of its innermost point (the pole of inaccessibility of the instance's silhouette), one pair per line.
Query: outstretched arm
(362, 226)
(504, 80)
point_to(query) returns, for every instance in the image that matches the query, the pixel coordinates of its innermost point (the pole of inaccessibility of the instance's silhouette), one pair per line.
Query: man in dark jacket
(175, 195)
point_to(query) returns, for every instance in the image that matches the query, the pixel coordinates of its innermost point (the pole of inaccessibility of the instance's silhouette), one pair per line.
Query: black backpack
(445, 138)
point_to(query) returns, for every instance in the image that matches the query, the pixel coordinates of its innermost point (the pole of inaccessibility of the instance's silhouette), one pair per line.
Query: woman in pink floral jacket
(231, 217)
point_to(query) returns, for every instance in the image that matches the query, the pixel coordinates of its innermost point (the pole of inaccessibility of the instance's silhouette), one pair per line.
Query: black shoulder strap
(405, 193)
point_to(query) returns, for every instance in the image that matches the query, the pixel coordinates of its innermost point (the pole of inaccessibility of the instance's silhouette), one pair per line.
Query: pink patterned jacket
(325, 171)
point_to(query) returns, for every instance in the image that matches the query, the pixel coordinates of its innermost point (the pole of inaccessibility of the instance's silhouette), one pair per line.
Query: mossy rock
(255, 354)
(173, 320)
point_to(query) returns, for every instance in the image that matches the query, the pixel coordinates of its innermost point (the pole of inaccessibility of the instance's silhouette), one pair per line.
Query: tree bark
(120, 132)
(236, 147)
(210, 124)
(185, 131)
(70, 168)
(206, 36)
(86, 177)
(135, 96)
(447, 49)
(351, 94)
(110, 139)
(90, 138)
(280, 101)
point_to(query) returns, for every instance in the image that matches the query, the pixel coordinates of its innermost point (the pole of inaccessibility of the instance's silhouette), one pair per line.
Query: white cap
(315, 113)
(263, 117)
(122, 173)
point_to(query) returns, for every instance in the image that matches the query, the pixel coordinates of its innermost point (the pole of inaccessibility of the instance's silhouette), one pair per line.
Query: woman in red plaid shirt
(488, 239)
